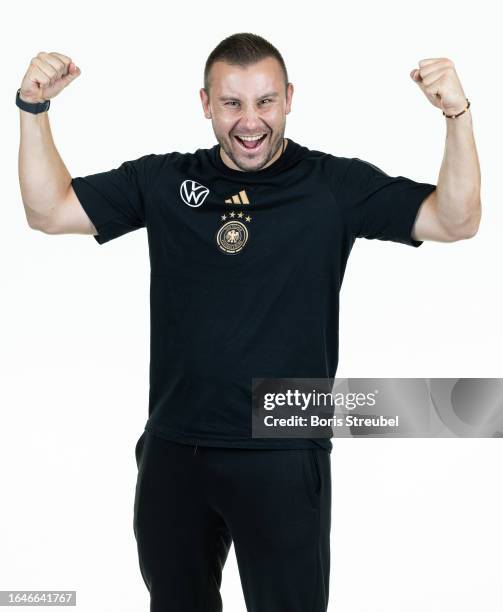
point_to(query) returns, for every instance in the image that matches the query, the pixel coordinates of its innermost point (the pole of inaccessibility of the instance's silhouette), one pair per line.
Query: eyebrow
(271, 94)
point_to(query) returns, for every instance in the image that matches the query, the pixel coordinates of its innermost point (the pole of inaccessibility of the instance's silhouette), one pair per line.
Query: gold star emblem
(240, 215)
(232, 214)
(223, 217)
(248, 219)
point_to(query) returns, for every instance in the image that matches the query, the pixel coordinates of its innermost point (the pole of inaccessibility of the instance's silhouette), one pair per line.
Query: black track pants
(192, 502)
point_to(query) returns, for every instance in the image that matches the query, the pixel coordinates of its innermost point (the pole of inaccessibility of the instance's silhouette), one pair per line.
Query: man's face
(249, 102)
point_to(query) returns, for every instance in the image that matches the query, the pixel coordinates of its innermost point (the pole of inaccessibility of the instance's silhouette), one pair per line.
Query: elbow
(31, 223)
(470, 233)
(34, 223)
(470, 227)
(39, 224)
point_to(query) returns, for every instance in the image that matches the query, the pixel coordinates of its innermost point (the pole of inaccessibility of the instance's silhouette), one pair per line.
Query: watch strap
(32, 107)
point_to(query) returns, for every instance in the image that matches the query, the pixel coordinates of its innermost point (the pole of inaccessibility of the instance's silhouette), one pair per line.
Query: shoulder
(351, 174)
(333, 168)
(156, 161)
(327, 161)
(176, 160)
(152, 166)
(342, 163)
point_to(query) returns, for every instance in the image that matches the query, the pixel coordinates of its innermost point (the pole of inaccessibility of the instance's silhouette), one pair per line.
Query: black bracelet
(463, 111)
(32, 107)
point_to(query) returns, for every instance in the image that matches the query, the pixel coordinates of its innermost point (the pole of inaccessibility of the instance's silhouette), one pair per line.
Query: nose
(250, 120)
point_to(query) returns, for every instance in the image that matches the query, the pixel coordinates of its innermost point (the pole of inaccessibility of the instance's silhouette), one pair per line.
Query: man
(248, 244)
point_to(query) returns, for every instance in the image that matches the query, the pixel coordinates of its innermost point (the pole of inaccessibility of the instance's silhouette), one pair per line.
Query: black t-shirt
(246, 269)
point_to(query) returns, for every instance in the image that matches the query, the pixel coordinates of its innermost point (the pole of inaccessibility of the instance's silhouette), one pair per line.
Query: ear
(289, 94)
(205, 101)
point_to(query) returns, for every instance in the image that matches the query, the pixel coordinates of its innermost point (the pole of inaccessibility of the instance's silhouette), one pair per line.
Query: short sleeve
(115, 200)
(378, 206)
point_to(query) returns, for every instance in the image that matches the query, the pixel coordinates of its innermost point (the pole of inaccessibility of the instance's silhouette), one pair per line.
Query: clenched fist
(439, 81)
(47, 75)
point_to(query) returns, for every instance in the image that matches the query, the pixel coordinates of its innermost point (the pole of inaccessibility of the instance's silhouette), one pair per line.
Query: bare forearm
(43, 177)
(458, 186)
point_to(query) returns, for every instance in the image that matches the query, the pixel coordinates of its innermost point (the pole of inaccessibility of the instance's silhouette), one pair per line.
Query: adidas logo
(240, 198)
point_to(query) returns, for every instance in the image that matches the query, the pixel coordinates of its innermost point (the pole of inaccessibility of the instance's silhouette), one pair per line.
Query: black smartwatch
(32, 107)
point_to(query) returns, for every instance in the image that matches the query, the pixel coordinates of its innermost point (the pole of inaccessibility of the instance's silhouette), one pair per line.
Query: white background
(416, 523)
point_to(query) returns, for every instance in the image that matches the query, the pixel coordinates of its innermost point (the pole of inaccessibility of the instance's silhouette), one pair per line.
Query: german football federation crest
(233, 235)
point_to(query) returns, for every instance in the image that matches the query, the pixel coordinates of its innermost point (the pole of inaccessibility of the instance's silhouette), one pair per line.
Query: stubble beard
(273, 150)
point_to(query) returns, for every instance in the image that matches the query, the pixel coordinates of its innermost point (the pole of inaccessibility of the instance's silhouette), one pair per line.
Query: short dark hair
(243, 49)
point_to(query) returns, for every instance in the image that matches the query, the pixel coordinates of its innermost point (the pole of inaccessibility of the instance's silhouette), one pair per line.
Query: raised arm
(50, 203)
(453, 211)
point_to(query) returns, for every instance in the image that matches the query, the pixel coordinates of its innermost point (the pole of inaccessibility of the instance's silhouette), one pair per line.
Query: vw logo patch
(193, 193)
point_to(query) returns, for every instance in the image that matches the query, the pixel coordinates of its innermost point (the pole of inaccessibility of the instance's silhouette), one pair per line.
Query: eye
(266, 100)
(230, 102)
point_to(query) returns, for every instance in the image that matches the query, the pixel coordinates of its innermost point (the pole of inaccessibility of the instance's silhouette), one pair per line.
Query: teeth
(251, 137)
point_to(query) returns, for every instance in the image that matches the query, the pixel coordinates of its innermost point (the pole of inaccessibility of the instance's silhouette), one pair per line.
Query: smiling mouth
(251, 145)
